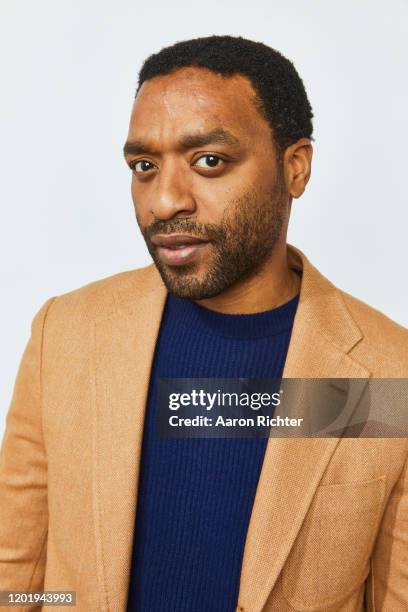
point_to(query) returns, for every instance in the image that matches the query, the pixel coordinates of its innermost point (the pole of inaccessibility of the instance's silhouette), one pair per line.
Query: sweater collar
(240, 326)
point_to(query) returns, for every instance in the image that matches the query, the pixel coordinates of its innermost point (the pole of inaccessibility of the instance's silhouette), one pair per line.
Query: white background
(68, 75)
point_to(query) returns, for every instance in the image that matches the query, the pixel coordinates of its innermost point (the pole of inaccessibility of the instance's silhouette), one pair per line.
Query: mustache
(208, 231)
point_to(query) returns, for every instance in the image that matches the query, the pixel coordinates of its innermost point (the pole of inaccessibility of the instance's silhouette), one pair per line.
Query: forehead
(195, 99)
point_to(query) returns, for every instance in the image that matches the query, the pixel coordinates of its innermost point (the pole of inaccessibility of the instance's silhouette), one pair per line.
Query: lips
(175, 240)
(178, 249)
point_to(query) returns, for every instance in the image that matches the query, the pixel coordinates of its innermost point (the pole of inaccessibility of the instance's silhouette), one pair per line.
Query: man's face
(204, 167)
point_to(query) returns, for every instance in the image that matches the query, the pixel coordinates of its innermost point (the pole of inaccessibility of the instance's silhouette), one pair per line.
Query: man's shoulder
(385, 340)
(373, 339)
(372, 321)
(102, 297)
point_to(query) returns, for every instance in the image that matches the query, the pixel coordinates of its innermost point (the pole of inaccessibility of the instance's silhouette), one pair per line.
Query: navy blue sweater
(196, 495)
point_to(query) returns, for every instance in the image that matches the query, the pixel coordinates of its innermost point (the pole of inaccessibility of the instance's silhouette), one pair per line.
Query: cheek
(134, 190)
(140, 200)
(220, 194)
(214, 197)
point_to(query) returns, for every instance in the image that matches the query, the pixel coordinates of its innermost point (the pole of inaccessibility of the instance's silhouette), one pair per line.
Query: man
(92, 499)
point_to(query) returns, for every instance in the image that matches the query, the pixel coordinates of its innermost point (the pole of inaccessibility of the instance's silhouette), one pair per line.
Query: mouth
(178, 249)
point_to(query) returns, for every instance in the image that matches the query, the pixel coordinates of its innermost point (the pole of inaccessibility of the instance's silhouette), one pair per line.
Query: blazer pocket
(330, 556)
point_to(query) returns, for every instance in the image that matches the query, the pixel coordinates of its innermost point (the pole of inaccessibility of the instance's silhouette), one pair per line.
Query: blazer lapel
(322, 335)
(122, 355)
(123, 345)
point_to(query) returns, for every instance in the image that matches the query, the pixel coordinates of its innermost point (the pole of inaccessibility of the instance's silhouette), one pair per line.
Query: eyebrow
(188, 141)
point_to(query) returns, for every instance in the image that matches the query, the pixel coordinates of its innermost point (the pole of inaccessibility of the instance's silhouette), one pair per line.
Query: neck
(274, 285)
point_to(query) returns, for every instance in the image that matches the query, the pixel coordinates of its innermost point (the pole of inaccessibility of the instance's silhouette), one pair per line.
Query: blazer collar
(123, 344)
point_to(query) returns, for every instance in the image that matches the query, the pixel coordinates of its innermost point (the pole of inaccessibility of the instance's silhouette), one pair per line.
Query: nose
(172, 194)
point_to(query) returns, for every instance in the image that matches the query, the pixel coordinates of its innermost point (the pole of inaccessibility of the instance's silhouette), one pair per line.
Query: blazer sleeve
(387, 586)
(23, 474)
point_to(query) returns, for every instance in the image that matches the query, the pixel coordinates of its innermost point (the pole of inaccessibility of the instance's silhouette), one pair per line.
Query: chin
(190, 281)
(190, 290)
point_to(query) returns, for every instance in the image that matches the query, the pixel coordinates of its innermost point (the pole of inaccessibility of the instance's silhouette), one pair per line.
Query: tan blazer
(329, 526)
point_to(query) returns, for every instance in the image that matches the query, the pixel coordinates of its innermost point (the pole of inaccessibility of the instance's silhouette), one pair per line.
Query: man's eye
(142, 165)
(209, 161)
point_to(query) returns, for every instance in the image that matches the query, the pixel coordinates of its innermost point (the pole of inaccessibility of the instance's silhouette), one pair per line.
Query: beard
(239, 245)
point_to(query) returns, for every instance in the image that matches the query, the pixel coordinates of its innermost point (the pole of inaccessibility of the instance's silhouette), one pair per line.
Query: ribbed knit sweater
(195, 495)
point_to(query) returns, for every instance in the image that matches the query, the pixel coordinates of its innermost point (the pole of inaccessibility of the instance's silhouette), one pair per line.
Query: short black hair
(280, 92)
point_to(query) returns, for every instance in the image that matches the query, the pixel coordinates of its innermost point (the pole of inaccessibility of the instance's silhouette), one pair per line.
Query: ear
(298, 163)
